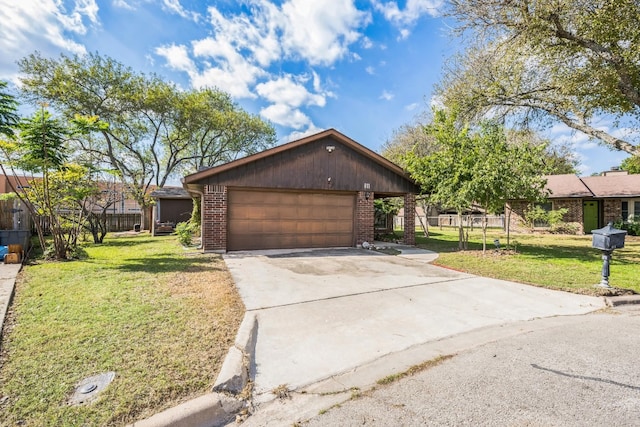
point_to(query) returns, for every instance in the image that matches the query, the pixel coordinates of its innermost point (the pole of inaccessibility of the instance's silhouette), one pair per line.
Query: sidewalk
(8, 275)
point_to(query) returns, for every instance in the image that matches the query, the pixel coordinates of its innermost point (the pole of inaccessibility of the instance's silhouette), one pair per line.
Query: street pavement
(571, 371)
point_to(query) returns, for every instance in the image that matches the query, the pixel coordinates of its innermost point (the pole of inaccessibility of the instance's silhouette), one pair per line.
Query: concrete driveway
(322, 313)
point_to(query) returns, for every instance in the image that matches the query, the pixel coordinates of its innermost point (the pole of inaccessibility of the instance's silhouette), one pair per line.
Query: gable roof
(170, 193)
(602, 186)
(566, 186)
(377, 158)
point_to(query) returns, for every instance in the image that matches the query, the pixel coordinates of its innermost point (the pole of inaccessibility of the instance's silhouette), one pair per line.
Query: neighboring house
(591, 201)
(122, 214)
(172, 205)
(317, 191)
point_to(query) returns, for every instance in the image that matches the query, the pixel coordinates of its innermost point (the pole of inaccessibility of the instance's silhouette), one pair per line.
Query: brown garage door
(279, 219)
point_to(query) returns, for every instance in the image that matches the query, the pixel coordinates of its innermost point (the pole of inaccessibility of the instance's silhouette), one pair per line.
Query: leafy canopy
(573, 61)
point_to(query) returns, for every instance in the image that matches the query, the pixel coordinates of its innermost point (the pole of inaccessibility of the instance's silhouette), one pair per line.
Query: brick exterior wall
(214, 221)
(573, 206)
(516, 218)
(410, 220)
(612, 210)
(364, 218)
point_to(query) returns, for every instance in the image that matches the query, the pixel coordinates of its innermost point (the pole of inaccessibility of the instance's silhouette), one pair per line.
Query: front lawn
(160, 317)
(550, 260)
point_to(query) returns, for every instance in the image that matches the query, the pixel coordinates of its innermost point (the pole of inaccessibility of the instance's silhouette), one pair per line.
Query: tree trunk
(485, 222)
(461, 245)
(424, 229)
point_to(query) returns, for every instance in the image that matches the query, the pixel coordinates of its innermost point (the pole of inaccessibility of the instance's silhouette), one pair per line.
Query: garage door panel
(279, 219)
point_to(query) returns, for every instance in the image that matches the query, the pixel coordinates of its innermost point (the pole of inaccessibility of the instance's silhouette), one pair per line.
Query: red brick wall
(410, 220)
(214, 223)
(364, 218)
(573, 206)
(516, 219)
(612, 210)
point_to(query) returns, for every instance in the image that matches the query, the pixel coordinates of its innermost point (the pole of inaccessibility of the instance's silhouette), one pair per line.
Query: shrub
(538, 217)
(184, 231)
(566, 228)
(632, 226)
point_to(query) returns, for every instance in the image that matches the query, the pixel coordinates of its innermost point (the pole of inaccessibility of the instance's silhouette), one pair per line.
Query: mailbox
(608, 238)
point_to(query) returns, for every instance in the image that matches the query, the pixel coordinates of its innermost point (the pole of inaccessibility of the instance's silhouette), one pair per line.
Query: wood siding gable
(328, 161)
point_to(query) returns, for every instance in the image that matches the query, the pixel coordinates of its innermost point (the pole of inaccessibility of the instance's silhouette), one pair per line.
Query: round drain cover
(87, 388)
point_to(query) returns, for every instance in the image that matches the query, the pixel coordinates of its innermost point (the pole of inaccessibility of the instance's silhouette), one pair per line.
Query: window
(625, 211)
(636, 210)
(630, 210)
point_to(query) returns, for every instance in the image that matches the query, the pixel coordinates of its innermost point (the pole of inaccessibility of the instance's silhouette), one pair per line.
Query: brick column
(409, 219)
(214, 224)
(364, 218)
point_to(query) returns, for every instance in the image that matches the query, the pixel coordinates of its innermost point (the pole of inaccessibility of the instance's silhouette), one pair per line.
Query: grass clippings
(162, 321)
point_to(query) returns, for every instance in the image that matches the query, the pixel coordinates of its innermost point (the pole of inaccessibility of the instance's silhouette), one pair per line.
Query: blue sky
(363, 67)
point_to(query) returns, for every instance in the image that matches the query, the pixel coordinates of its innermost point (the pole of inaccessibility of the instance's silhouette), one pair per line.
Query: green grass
(162, 319)
(550, 260)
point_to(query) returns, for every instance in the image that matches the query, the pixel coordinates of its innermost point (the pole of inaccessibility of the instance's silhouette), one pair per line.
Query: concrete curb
(622, 300)
(237, 367)
(220, 407)
(210, 410)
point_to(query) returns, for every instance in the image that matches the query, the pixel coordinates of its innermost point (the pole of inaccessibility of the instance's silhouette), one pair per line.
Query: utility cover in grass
(87, 390)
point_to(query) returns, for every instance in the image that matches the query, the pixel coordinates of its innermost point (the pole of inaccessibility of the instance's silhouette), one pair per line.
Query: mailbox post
(607, 239)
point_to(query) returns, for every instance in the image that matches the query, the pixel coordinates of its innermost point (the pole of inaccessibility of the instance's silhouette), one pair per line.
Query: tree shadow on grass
(171, 264)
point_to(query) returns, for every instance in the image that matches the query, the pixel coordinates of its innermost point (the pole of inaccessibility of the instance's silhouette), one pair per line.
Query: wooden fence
(14, 216)
(115, 222)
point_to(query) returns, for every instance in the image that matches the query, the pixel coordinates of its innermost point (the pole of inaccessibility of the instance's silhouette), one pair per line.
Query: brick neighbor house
(591, 201)
(317, 191)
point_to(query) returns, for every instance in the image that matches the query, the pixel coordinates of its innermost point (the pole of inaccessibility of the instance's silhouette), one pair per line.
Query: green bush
(566, 228)
(632, 226)
(538, 217)
(184, 231)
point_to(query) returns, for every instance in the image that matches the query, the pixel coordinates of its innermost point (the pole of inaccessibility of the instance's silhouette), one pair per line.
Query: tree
(155, 130)
(631, 164)
(476, 166)
(555, 159)
(40, 148)
(8, 111)
(446, 174)
(572, 61)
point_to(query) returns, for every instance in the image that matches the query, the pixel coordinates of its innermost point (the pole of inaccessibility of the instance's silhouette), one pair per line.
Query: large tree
(573, 61)
(155, 130)
(475, 166)
(556, 159)
(631, 164)
(8, 111)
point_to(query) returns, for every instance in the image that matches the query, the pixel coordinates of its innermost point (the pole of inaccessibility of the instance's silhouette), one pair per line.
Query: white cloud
(407, 17)
(412, 106)
(30, 25)
(174, 6)
(285, 90)
(370, 70)
(320, 32)
(177, 58)
(232, 73)
(386, 95)
(284, 115)
(295, 135)
(123, 4)
(366, 43)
